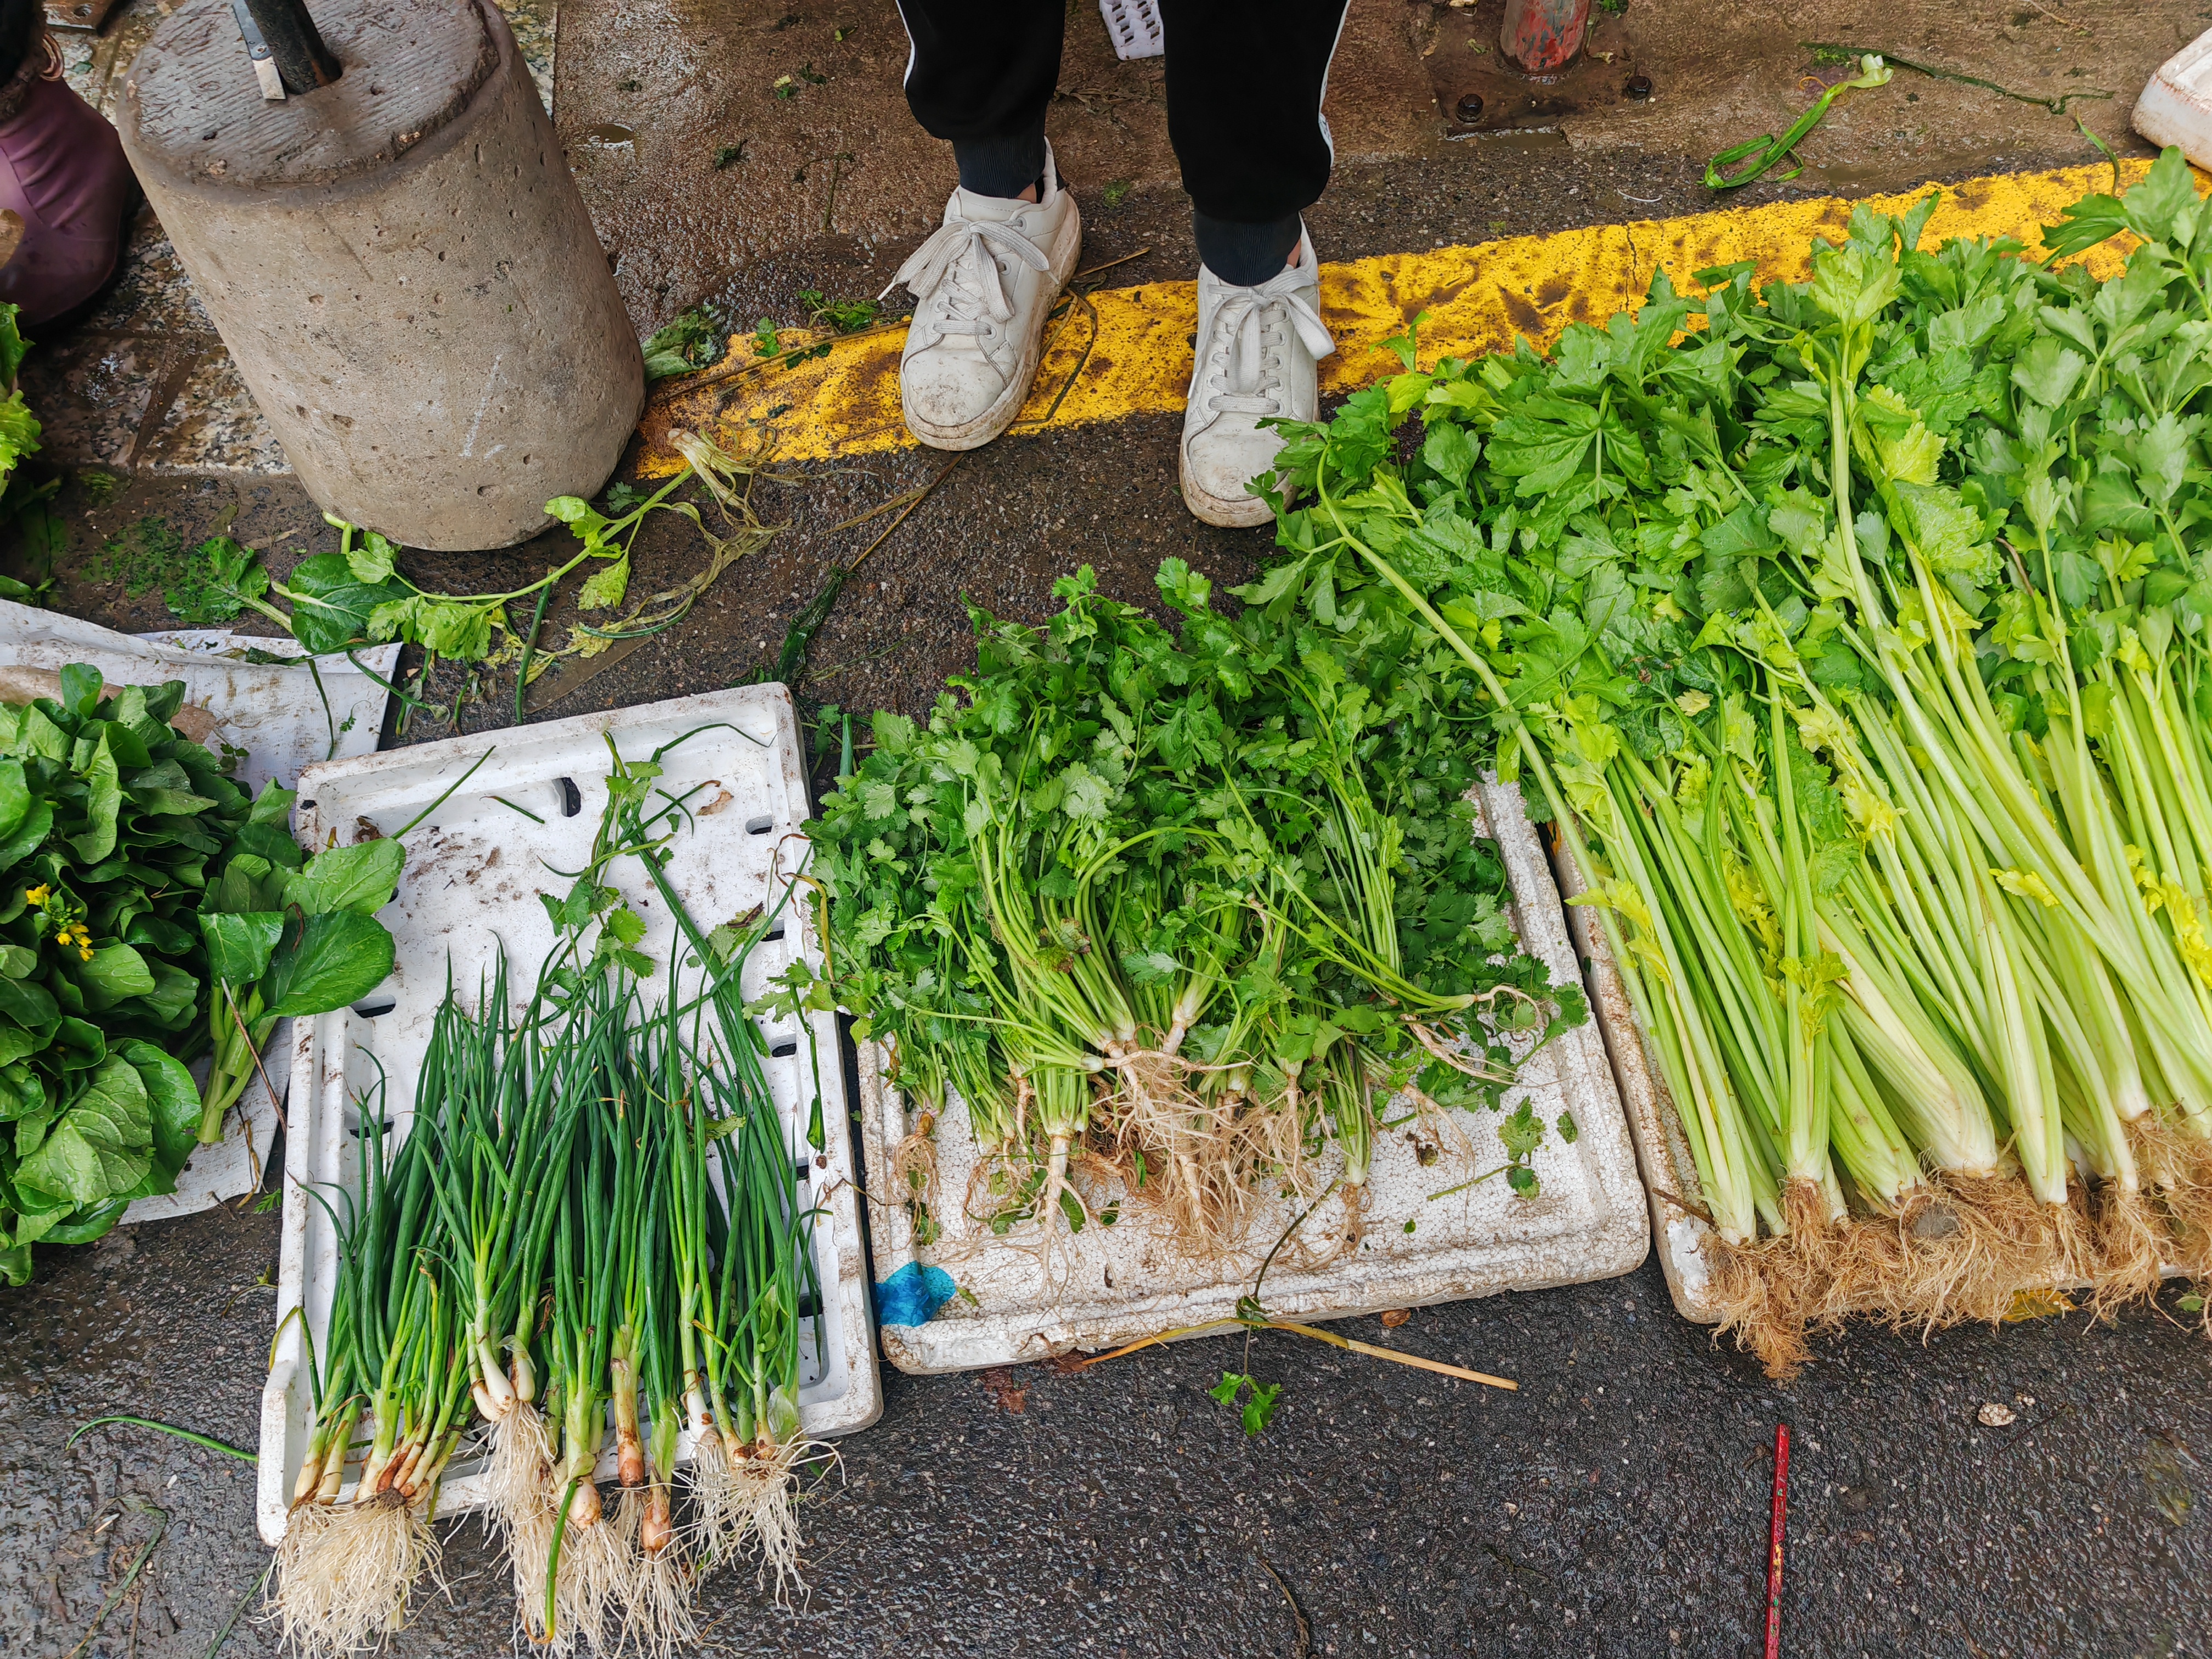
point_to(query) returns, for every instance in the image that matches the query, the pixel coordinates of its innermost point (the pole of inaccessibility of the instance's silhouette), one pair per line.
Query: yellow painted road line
(1128, 350)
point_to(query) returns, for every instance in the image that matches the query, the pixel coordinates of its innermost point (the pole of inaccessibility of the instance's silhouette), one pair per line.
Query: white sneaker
(983, 283)
(1256, 348)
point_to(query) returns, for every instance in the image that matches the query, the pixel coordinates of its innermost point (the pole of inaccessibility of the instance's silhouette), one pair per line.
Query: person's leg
(61, 172)
(1245, 80)
(982, 77)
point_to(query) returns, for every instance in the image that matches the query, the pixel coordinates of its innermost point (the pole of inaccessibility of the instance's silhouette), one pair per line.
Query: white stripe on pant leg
(1320, 114)
(912, 51)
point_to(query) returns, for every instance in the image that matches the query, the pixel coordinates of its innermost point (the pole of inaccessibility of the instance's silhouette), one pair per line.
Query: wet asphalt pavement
(1616, 1505)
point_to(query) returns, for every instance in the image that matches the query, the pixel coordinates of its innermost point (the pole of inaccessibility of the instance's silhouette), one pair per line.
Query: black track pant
(1244, 90)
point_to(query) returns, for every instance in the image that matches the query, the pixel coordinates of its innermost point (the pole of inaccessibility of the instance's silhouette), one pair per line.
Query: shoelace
(957, 276)
(1254, 319)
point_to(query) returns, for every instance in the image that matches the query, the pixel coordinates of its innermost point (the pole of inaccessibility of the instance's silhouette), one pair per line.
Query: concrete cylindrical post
(400, 263)
(1542, 36)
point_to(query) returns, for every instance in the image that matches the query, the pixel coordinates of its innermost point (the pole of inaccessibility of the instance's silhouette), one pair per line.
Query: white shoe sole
(976, 432)
(1246, 513)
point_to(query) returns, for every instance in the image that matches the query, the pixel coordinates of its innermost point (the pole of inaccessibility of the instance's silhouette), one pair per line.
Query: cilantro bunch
(1192, 900)
(1854, 632)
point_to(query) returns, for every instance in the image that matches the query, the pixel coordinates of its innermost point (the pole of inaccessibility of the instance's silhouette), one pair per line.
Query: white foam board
(2176, 107)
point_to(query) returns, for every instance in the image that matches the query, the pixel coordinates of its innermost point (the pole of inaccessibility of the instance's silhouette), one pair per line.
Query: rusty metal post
(303, 62)
(1542, 36)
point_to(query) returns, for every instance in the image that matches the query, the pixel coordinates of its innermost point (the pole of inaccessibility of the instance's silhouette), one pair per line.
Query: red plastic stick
(1775, 1532)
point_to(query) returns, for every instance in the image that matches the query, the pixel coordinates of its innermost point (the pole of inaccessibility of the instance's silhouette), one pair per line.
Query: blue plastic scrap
(913, 1294)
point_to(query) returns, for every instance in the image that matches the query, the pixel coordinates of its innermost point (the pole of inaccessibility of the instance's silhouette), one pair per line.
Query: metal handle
(280, 34)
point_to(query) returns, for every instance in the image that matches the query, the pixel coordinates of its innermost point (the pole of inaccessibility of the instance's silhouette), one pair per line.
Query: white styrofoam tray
(1111, 1286)
(269, 710)
(2176, 107)
(274, 714)
(473, 873)
(1663, 1151)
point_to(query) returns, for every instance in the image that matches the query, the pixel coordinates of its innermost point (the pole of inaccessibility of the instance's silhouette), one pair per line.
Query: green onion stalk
(768, 1279)
(736, 1242)
(691, 1242)
(495, 1101)
(743, 1265)
(587, 1565)
(645, 1392)
(345, 1569)
(660, 1599)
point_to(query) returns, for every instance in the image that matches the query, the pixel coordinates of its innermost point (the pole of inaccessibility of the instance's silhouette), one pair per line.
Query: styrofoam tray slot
(474, 869)
(1111, 1286)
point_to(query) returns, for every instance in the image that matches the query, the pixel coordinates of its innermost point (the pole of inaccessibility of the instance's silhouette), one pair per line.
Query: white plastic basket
(474, 869)
(1115, 1285)
(2176, 107)
(1134, 27)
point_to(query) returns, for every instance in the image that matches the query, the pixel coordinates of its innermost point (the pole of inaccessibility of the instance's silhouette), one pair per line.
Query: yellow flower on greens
(35, 894)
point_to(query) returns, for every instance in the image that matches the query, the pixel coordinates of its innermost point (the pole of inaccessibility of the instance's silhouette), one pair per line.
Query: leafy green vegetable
(1257, 1411)
(19, 428)
(1197, 899)
(287, 936)
(845, 316)
(358, 597)
(692, 340)
(111, 825)
(1854, 634)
